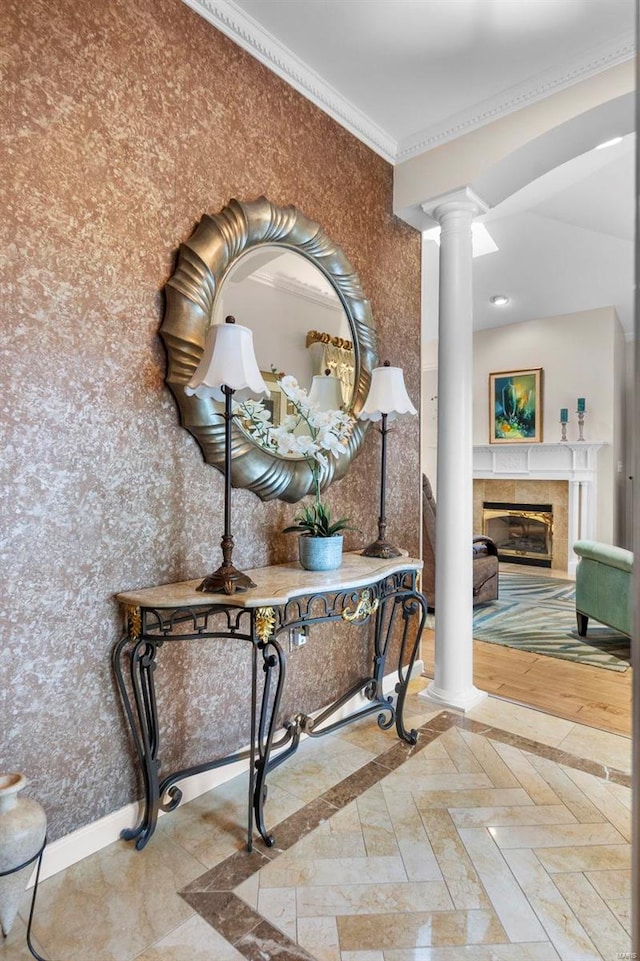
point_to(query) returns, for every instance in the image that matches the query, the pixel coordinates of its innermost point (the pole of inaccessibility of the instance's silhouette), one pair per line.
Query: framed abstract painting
(515, 407)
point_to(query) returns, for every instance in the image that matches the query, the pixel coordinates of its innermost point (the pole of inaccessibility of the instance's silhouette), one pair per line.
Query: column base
(460, 700)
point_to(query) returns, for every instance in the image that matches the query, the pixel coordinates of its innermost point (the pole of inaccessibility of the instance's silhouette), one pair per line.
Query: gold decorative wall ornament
(364, 608)
(203, 263)
(265, 619)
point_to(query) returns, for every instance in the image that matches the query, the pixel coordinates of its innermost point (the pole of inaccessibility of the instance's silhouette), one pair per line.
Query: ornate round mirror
(278, 273)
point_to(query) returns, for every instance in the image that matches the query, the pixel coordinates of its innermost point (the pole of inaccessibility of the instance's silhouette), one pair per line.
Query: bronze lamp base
(381, 548)
(226, 580)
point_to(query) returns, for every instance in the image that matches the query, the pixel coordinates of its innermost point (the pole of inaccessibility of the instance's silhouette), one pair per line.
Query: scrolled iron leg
(411, 604)
(259, 800)
(143, 722)
(273, 658)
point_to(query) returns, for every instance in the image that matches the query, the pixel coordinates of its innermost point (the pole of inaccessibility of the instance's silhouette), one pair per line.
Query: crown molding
(251, 36)
(608, 55)
(231, 20)
(299, 289)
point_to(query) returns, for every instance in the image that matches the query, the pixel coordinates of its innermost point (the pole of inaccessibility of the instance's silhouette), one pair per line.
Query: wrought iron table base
(394, 602)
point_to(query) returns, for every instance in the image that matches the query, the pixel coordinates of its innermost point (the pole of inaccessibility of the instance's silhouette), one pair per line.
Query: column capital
(456, 200)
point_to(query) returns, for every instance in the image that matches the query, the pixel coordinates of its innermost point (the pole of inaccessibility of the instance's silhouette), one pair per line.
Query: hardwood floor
(588, 695)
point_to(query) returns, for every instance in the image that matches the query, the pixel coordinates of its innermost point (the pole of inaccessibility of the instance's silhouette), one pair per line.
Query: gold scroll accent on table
(265, 619)
(364, 608)
(134, 622)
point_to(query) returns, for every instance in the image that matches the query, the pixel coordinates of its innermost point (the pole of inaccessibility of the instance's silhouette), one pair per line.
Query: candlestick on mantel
(581, 408)
(564, 419)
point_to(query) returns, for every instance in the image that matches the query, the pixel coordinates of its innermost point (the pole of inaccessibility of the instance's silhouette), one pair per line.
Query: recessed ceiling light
(499, 300)
(608, 143)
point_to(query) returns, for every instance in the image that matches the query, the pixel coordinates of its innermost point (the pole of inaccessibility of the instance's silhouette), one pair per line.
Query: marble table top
(274, 585)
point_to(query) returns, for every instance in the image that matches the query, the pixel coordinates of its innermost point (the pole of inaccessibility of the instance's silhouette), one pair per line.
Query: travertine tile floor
(500, 836)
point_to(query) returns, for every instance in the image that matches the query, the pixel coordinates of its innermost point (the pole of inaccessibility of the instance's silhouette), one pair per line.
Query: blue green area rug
(537, 613)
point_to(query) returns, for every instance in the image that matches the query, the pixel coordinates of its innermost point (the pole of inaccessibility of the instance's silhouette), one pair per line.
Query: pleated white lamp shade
(326, 392)
(387, 395)
(228, 360)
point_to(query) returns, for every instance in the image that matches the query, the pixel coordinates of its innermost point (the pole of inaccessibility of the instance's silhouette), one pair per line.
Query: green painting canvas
(515, 406)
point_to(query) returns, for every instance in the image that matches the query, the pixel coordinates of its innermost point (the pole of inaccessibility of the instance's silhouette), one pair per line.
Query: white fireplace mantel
(575, 462)
(561, 461)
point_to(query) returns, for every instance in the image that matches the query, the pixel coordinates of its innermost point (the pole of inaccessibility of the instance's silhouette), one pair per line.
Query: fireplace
(562, 474)
(523, 533)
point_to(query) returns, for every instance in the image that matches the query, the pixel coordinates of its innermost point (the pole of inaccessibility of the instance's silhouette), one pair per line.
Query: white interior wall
(582, 355)
(620, 462)
(628, 414)
(280, 321)
(577, 354)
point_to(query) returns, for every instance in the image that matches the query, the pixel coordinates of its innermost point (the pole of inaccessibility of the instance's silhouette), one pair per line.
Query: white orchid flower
(253, 409)
(309, 432)
(302, 402)
(290, 422)
(343, 420)
(286, 443)
(333, 444)
(292, 389)
(288, 382)
(322, 418)
(307, 446)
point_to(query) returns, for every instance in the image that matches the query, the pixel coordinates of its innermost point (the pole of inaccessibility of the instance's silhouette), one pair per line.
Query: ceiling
(407, 75)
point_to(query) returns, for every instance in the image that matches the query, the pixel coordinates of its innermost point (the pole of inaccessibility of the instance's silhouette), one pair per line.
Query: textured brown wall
(124, 123)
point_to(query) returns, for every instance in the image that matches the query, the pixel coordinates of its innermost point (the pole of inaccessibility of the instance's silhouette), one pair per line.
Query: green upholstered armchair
(604, 589)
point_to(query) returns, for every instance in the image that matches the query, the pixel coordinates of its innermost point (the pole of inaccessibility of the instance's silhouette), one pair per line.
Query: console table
(363, 589)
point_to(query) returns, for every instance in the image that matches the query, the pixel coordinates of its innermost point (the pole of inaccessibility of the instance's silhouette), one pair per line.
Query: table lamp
(228, 364)
(326, 391)
(387, 400)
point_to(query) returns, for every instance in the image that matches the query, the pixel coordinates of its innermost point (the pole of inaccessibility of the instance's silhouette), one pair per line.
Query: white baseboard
(93, 837)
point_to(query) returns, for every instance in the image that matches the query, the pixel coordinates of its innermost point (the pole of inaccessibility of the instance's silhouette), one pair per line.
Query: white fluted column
(453, 681)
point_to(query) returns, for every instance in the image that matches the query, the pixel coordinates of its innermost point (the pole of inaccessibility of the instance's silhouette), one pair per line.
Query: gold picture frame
(277, 403)
(515, 406)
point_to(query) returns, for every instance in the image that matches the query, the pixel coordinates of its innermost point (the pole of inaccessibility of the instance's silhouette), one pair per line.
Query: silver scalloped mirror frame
(203, 263)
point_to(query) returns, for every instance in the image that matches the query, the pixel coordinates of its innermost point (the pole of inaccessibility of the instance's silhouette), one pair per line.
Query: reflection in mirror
(303, 344)
(299, 324)
(306, 431)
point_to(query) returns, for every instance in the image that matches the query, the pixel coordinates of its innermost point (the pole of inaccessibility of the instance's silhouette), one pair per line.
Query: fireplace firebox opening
(523, 533)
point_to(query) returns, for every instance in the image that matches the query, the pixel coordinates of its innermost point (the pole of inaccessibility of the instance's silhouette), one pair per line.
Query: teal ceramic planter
(320, 553)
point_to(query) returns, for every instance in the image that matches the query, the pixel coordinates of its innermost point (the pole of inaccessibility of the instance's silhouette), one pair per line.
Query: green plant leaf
(342, 525)
(315, 520)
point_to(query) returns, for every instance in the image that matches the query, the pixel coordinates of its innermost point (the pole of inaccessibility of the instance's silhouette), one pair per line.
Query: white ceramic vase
(23, 825)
